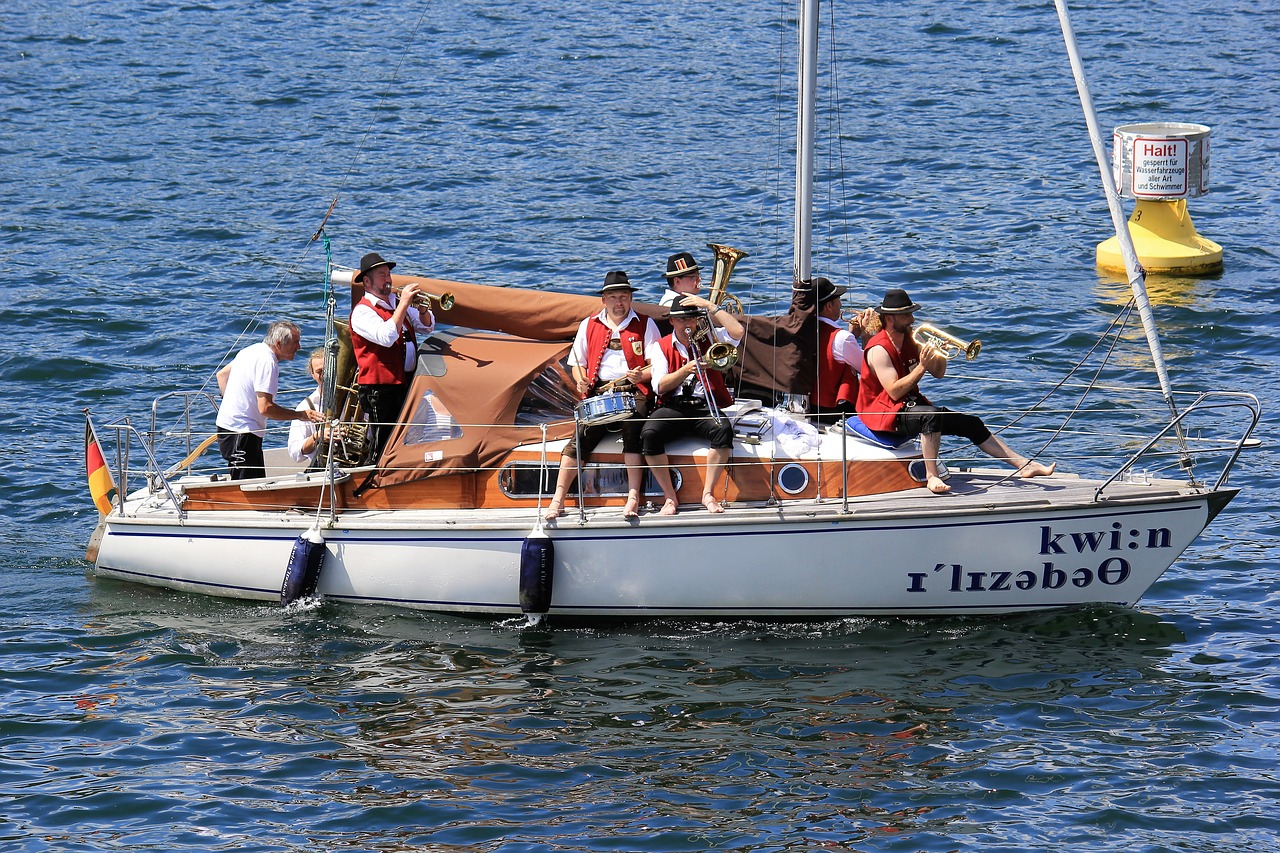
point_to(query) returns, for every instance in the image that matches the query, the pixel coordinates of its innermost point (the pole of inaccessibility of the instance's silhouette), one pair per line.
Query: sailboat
(824, 522)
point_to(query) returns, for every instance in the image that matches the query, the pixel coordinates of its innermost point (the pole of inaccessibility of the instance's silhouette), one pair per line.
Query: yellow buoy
(1166, 241)
(1161, 165)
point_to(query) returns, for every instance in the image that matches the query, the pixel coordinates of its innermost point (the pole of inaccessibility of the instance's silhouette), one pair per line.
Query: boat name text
(1112, 571)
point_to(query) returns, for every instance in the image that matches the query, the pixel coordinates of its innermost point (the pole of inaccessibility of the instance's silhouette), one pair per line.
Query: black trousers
(243, 452)
(914, 420)
(679, 418)
(381, 404)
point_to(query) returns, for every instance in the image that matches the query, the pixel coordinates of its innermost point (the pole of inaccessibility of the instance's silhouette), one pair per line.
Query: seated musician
(609, 350)
(681, 382)
(890, 400)
(839, 354)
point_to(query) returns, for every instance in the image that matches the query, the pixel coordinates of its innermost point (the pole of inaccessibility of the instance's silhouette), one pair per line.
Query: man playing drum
(609, 348)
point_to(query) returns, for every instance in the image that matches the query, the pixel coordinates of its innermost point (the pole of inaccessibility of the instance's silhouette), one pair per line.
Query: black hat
(371, 261)
(680, 308)
(896, 301)
(681, 263)
(827, 290)
(616, 280)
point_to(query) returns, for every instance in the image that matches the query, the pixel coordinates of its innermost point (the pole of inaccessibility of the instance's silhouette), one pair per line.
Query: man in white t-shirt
(248, 385)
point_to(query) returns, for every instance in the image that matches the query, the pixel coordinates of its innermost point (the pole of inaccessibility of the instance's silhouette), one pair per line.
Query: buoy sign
(1161, 160)
(1159, 167)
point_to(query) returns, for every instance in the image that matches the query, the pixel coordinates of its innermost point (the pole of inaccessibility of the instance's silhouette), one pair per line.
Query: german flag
(102, 487)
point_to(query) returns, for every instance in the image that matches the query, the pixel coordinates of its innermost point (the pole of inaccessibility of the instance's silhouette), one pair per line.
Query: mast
(1137, 275)
(805, 122)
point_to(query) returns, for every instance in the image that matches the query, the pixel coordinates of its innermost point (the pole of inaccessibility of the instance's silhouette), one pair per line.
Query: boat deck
(973, 491)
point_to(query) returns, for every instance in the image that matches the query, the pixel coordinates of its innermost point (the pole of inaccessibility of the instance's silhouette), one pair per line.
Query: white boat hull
(901, 555)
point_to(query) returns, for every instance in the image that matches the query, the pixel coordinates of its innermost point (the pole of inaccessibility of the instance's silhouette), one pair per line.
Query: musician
(304, 438)
(609, 347)
(385, 329)
(248, 385)
(683, 408)
(683, 276)
(890, 401)
(839, 354)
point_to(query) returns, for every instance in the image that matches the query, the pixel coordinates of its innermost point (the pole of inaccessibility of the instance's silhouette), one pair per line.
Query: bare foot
(711, 504)
(669, 507)
(1035, 469)
(938, 487)
(632, 509)
(554, 510)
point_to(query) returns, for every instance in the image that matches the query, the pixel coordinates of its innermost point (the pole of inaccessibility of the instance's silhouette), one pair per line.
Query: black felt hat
(680, 308)
(896, 301)
(827, 290)
(616, 280)
(681, 263)
(371, 261)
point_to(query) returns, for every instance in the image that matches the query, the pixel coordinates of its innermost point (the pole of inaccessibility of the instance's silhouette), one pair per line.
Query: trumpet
(946, 343)
(870, 327)
(422, 299)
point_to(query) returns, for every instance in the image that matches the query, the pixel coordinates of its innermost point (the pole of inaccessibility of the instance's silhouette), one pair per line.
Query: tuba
(725, 259)
(719, 355)
(946, 343)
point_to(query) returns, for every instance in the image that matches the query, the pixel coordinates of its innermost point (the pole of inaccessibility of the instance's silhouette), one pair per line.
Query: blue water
(162, 168)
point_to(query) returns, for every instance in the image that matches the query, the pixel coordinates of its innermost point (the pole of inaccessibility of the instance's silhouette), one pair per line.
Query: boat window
(549, 398)
(431, 421)
(520, 480)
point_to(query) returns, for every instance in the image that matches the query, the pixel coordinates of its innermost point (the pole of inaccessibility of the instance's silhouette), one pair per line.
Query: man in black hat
(610, 348)
(839, 354)
(683, 276)
(683, 405)
(889, 398)
(385, 329)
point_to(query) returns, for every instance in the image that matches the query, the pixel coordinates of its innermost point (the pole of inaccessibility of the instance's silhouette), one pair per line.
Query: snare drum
(606, 408)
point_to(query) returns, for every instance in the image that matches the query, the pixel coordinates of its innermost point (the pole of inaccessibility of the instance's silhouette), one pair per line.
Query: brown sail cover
(479, 378)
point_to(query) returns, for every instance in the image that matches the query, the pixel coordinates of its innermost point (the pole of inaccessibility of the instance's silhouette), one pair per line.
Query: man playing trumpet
(385, 329)
(835, 390)
(889, 398)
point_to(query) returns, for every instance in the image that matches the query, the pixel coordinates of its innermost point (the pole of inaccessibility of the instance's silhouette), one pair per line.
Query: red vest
(837, 383)
(380, 365)
(876, 408)
(676, 360)
(632, 338)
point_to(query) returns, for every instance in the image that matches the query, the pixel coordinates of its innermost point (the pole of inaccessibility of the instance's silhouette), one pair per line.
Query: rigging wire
(291, 270)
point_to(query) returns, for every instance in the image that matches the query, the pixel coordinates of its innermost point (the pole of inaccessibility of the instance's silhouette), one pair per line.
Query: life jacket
(381, 365)
(837, 383)
(876, 408)
(676, 360)
(631, 336)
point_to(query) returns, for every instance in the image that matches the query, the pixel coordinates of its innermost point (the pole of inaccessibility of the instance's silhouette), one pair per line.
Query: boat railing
(188, 398)
(156, 479)
(1204, 402)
